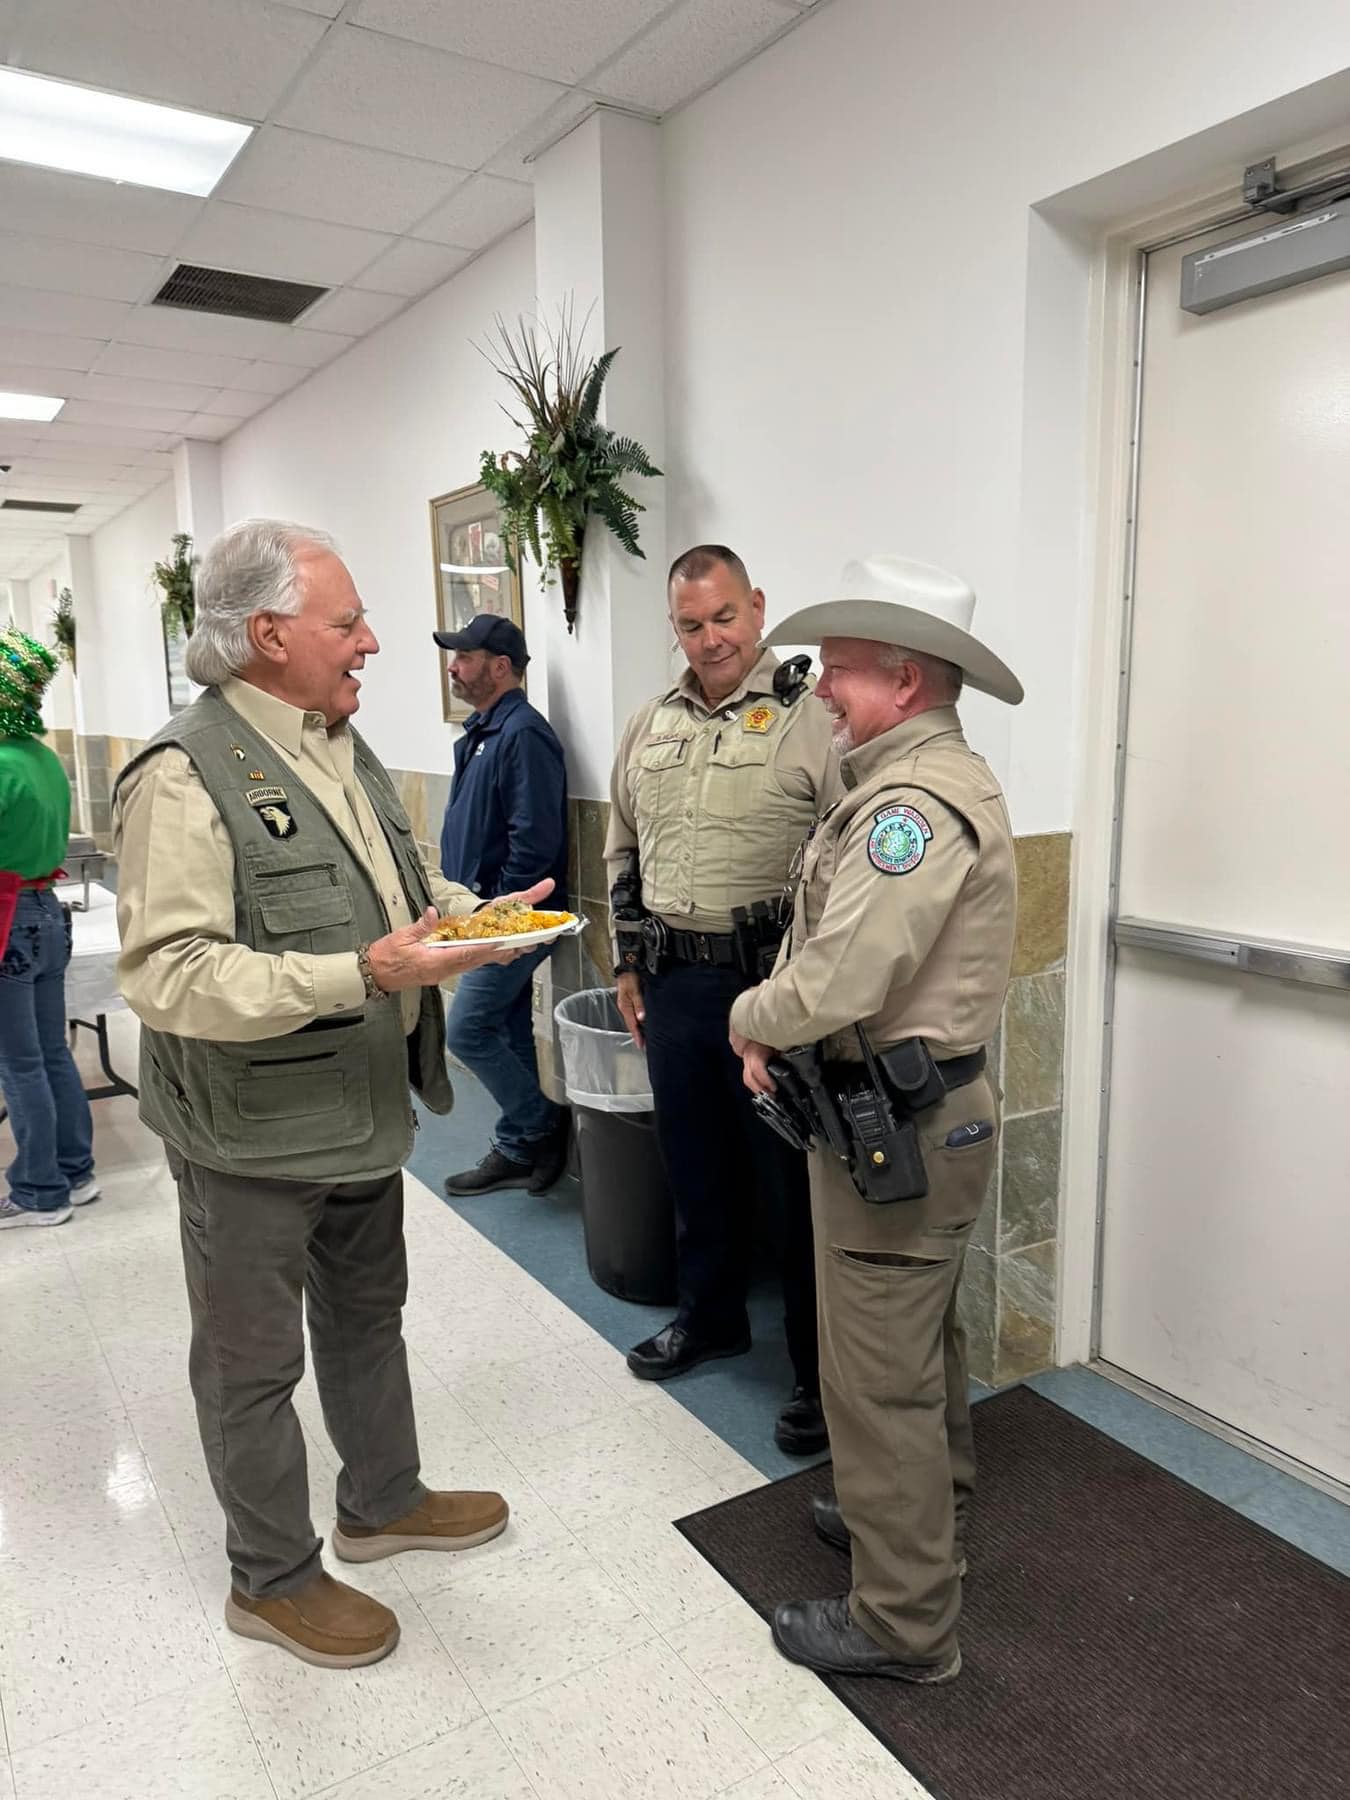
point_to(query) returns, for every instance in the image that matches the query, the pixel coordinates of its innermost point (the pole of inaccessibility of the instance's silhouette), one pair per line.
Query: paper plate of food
(505, 922)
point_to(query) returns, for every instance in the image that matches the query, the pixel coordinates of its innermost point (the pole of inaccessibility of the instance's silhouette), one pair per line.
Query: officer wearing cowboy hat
(903, 924)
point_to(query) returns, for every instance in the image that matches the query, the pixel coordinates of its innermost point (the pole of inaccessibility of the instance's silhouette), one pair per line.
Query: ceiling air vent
(237, 296)
(40, 506)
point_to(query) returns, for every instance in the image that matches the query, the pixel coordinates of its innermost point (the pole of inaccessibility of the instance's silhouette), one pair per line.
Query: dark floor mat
(1125, 1637)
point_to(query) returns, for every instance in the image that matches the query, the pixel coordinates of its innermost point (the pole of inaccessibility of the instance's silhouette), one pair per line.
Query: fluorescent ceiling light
(29, 406)
(59, 126)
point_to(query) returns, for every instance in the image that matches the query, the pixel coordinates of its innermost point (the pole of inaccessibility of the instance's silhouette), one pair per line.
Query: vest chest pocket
(298, 898)
(308, 1091)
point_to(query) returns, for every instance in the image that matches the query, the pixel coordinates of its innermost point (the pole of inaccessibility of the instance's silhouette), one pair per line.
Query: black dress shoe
(550, 1157)
(495, 1171)
(675, 1349)
(800, 1430)
(822, 1635)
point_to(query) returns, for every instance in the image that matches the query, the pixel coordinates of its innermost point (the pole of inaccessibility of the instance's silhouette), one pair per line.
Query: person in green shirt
(53, 1167)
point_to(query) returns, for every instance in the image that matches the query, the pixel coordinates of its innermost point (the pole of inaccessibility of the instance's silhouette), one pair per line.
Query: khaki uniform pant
(253, 1250)
(894, 1381)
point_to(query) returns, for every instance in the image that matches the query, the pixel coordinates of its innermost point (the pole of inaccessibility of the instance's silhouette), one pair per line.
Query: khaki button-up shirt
(180, 969)
(906, 908)
(716, 799)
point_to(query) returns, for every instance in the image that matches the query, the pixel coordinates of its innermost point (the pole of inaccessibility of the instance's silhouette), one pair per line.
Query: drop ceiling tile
(411, 268)
(114, 437)
(354, 310)
(328, 8)
(171, 365)
(176, 396)
(271, 378)
(205, 334)
(237, 59)
(561, 39)
(212, 426)
(14, 444)
(237, 403)
(483, 210)
(101, 274)
(690, 50)
(347, 184)
(33, 308)
(140, 418)
(403, 97)
(39, 349)
(272, 243)
(44, 470)
(84, 210)
(307, 349)
(17, 378)
(514, 160)
(119, 458)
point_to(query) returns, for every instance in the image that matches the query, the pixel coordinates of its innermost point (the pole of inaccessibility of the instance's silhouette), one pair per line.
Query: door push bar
(1254, 956)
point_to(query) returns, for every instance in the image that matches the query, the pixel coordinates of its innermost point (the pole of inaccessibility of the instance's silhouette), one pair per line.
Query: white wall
(362, 447)
(850, 361)
(58, 708)
(119, 639)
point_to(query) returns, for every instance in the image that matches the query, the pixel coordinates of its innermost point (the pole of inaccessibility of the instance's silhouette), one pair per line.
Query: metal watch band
(373, 989)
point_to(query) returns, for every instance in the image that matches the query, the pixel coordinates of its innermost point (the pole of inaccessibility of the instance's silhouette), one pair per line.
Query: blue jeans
(490, 1030)
(48, 1110)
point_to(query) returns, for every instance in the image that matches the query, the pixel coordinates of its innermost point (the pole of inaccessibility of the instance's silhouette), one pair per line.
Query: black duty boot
(495, 1171)
(676, 1349)
(829, 1521)
(800, 1430)
(823, 1635)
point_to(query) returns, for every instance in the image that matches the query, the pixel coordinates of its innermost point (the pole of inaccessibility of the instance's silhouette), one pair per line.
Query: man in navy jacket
(507, 815)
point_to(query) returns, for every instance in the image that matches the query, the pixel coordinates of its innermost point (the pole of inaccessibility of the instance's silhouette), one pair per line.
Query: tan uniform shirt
(180, 969)
(716, 799)
(906, 908)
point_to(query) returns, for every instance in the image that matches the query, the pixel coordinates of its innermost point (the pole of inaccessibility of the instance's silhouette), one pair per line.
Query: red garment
(9, 899)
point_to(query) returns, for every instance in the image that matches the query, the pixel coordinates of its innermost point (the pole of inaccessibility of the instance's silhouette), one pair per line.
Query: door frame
(1115, 352)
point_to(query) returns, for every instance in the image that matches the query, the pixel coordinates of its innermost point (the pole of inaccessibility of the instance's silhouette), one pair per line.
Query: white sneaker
(87, 1191)
(12, 1214)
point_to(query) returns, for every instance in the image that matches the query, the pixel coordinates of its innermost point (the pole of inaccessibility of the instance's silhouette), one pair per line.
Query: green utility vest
(328, 1102)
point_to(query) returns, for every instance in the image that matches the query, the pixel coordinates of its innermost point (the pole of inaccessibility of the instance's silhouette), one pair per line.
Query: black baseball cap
(491, 632)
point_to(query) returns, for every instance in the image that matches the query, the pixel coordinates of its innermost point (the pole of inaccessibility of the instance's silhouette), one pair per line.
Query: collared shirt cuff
(740, 1015)
(338, 986)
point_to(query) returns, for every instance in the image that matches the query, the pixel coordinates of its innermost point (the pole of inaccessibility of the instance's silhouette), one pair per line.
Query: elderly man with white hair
(274, 913)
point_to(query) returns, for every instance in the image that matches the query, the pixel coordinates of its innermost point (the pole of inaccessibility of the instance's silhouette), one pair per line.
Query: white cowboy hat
(892, 600)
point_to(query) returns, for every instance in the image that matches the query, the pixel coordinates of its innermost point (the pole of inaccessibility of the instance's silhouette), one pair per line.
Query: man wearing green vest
(274, 908)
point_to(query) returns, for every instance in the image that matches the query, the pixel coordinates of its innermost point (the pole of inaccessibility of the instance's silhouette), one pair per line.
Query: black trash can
(626, 1207)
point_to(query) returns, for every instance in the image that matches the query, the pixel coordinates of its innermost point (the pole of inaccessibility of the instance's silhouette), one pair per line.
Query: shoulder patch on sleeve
(899, 837)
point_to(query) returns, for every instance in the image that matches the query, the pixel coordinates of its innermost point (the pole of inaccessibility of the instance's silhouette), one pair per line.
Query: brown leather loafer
(325, 1623)
(443, 1521)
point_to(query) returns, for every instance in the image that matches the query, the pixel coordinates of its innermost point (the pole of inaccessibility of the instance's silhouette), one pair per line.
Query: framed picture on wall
(471, 570)
(180, 688)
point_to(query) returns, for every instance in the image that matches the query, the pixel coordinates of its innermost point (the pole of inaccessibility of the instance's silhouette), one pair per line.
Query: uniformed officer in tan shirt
(715, 784)
(273, 910)
(903, 924)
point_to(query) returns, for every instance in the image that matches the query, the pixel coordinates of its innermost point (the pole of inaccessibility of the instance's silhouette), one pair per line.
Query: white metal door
(1225, 1271)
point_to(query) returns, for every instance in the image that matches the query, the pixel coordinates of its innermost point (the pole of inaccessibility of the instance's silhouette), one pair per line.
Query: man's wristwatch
(373, 989)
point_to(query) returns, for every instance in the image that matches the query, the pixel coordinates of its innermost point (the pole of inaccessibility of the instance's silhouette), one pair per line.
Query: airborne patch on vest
(270, 805)
(898, 840)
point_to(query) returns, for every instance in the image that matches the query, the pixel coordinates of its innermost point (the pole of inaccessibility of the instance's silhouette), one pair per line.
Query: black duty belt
(716, 948)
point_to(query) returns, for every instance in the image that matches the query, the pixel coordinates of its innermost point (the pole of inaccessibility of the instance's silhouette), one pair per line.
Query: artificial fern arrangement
(63, 625)
(177, 583)
(571, 465)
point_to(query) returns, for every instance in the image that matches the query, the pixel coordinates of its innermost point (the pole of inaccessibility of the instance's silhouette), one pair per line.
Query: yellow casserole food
(498, 921)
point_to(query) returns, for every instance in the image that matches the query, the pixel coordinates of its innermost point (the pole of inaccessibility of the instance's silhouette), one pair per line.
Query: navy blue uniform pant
(720, 1160)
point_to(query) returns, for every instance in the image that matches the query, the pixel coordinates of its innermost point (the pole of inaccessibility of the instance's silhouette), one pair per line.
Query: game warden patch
(898, 840)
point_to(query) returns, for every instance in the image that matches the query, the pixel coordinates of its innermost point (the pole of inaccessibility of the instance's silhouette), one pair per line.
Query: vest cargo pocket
(735, 787)
(292, 1095)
